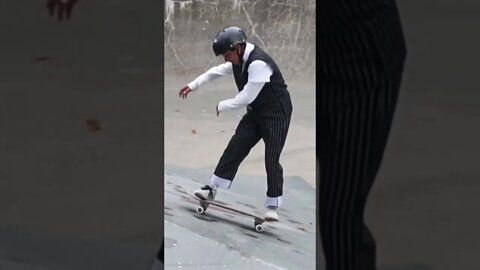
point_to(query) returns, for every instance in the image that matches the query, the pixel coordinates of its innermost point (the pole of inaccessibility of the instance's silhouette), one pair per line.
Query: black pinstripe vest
(274, 95)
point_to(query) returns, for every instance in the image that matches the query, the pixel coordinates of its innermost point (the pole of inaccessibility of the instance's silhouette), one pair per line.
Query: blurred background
(81, 135)
(423, 209)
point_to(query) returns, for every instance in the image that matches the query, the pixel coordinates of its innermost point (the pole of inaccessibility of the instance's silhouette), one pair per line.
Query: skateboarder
(264, 94)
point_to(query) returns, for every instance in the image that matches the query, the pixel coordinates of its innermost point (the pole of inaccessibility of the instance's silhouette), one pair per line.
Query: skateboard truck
(204, 205)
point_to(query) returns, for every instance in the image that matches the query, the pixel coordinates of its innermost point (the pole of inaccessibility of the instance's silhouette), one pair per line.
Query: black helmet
(226, 38)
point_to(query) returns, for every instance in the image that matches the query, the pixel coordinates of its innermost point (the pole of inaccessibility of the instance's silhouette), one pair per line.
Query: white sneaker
(272, 214)
(206, 193)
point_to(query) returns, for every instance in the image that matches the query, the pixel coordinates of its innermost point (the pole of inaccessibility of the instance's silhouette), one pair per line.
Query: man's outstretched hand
(63, 8)
(184, 92)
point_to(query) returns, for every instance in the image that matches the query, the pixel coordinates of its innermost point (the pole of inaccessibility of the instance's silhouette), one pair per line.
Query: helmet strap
(240, 54)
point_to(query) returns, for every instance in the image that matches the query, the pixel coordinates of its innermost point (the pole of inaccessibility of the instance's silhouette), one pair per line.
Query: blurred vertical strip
(361, 53)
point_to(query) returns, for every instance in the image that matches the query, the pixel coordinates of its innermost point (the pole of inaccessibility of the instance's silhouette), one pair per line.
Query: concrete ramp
(220, 239)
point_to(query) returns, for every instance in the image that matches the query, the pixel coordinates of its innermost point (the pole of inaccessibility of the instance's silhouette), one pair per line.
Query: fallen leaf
(194, 131)
(93, 125)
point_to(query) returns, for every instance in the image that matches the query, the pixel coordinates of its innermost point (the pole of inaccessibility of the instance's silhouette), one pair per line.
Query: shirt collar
(248, 49)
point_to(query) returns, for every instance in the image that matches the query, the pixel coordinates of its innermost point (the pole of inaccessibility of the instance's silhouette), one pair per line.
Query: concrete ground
(222, 239)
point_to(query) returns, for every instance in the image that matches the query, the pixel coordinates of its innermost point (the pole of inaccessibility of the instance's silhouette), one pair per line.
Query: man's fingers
(51, 10)
(184, 92)
(61, 10)
(69, 9)
(70, 5)
(51, 6)
(51, 3)
(180, 93)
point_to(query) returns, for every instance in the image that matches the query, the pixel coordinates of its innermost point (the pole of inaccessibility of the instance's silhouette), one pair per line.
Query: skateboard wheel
(258, 228)
(200, 210)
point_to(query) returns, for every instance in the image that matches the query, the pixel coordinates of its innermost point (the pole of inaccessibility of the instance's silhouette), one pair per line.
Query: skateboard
(258, 221)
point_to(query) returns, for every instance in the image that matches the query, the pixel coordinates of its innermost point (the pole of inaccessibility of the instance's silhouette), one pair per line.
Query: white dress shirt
(258, 74)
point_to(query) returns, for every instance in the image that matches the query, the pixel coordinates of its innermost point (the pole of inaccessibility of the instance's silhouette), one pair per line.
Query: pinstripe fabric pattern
(361, 55)
(246, 136)
(273, 130)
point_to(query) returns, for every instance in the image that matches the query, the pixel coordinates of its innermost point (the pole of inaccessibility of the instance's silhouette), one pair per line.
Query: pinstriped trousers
(271, 125)
(352, 139)
(362, 54)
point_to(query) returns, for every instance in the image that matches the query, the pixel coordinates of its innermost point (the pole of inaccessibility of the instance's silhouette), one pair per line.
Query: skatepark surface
(286, 244)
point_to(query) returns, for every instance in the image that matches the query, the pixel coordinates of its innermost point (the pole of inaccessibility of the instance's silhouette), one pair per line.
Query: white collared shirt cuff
(193, 85)
(242, 99)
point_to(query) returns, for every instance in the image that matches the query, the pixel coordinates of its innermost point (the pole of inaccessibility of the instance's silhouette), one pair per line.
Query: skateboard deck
(258, 221)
